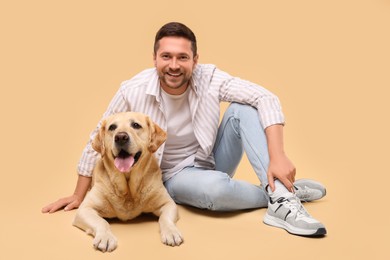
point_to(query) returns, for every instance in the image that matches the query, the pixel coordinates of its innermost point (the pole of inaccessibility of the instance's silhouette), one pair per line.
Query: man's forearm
(274, 134)
(82, 186)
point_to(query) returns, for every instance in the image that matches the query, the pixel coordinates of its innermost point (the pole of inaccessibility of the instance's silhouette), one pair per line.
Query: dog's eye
(136, 125)
(112, 127)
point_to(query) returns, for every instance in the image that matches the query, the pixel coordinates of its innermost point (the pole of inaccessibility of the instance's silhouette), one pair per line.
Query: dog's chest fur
(128, 207)
(125, 196)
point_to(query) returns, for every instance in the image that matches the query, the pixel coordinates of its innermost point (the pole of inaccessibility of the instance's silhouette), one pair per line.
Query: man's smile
(174, 74)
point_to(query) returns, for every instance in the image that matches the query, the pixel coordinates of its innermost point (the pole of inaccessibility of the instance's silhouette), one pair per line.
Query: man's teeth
(174, 75)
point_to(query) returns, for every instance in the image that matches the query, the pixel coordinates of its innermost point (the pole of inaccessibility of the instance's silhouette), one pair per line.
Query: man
(199, 158)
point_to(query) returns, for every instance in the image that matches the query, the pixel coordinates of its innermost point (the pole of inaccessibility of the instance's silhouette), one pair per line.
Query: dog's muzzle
(124, 160)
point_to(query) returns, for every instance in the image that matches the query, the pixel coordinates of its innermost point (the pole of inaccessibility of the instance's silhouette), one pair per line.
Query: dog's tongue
(124, 164)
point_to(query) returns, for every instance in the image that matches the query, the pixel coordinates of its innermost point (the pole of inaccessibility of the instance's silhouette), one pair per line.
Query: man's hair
(175, 29)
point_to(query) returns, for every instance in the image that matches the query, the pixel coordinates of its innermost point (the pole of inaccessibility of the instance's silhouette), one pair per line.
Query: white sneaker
(309, 190)
(289, 214)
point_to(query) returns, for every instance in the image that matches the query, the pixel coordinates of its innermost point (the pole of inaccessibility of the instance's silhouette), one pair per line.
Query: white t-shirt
(181, 144)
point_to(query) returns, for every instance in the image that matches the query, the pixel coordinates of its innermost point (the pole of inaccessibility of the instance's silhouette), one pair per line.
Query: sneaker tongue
(124, 164)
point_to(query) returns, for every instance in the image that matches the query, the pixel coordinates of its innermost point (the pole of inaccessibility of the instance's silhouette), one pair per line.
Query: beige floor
(327, 61)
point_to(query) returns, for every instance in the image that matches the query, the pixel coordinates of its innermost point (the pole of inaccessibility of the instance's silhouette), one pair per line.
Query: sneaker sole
(276, 222)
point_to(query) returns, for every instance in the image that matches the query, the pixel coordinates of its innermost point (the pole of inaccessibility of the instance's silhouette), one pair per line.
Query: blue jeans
(239, 131)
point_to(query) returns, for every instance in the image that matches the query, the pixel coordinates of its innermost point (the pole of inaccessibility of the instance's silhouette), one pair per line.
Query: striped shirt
(208, 87)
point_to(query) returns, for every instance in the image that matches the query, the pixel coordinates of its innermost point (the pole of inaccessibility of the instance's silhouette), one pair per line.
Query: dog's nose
(121, 138)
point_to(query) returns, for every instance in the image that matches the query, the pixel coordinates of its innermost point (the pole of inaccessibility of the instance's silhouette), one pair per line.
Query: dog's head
(124, 137)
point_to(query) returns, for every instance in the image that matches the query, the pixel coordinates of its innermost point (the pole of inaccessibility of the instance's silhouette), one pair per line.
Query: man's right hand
(68, 203)
(73, 201)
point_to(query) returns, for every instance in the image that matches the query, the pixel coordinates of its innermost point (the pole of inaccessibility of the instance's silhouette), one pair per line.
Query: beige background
(328, 61)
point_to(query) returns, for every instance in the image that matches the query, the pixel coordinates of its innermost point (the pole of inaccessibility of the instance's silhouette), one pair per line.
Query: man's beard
(175, 85)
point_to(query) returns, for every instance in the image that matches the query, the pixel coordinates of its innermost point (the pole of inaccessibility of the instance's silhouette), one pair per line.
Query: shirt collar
(153, 86)
(195, 78)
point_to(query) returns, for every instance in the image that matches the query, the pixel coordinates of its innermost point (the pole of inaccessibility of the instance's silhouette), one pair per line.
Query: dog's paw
(105, 242)
(172, 237)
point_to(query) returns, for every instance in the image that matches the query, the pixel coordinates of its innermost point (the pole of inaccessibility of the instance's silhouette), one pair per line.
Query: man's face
(174, 61)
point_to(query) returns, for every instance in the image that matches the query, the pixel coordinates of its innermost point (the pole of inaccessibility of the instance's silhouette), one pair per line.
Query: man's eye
(112, 127)
(136, 125)
(184, 58)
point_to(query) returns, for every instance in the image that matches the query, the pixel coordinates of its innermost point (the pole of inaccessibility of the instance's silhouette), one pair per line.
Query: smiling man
(174, 62)
(200, 155)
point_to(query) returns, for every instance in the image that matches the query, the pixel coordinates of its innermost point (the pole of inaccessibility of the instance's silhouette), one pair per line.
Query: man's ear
(98, 142)
(196, 58)
(157, 136)
(154, 60)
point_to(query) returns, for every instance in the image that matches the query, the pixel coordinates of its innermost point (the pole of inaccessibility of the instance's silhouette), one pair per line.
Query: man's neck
(174, 91)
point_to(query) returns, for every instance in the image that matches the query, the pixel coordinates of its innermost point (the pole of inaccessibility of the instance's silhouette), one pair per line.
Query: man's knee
(242, 108)
(244, 115)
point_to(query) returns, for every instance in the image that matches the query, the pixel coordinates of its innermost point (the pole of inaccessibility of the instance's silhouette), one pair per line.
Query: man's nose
(174, 64)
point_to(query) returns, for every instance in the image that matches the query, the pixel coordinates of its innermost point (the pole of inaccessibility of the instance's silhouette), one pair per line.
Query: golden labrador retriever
(127, 181)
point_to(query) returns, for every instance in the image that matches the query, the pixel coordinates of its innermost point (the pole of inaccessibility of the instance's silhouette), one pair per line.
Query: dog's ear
(98, 141)
(157, 136)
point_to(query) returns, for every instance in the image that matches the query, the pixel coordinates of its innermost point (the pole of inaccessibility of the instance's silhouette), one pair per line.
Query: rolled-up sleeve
(233, 89)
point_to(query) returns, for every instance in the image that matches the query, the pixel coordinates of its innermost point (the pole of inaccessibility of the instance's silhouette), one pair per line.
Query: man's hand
(68, 203)
(71, 202)
(281, 168)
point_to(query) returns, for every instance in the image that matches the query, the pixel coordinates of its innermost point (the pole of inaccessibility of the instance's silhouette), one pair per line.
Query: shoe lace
(295, 205)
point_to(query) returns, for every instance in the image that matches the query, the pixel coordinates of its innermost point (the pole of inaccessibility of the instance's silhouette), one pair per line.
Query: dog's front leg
(89, 220)
(168, 216)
